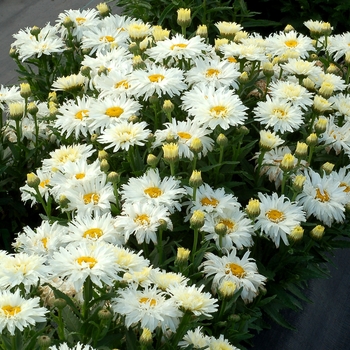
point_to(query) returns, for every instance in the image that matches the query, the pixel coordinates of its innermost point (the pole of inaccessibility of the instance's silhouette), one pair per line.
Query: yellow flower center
(93, 233)
(81, 114)
(322, 197)
(218, 110)
(231, 59)
(180, 45)
(235, 269)
(107, 38)
(80, 20)
(275, 215)
(142, 219)
(156, 78)
(11, 310)
(291, 43)
(228, 223)
(209, 201)
(44, 183)
(184, 135)
(153, 192)
(79, 176)
(279, 113)
(91, 197)
(44, 242)
(347, 187)
(114, 112)
(150, 301)
(212, 72)
(123, 83)
(87, 260)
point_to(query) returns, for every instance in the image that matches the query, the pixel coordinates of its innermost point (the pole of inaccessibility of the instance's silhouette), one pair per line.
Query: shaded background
(323, 324)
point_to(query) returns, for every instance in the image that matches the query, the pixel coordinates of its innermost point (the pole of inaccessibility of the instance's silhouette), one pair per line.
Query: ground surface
(323, 325)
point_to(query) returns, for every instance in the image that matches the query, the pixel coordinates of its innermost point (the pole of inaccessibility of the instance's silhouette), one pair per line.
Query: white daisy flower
(212, 71)
(83, 20)
(157, 80)
(149, 307)
(127, 260)
(279, 44)
(196, 339)
(221, 343)
(212, 107)
(19, 313)
(142, 220)
(140, 277)
(242, 271)
(124, 135)
(211, 200)
(339, 45)
(78, 346)
(278, 217)
(110, 111)
(43, 240)
(278, 114)
(245, 50)
(70, 83)
(73, 117)
(336, 137)
(323, 197)
(302, 68)
(65, 154)
(341, 104)
(291, 92)
(102, 39)
(193, 299)
(98, 228)
(185, 132)
(9, 95)
(93, 197)
(77, 262)
(22, 269)
(178, 48)
(239, 229)
(343, 177)
(164, 279)
(150, 188)
(337, 83)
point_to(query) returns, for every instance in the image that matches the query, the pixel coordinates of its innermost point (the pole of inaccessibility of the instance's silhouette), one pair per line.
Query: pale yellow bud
(311, 140)
(103, 9)
(146, 336)
(197, 219)
(171, 152)
(168, 106)
(301, 150)
(287, 162)
(321, 104)
(160, 34)
(298, 183)
(25, 90)
(253, 208)
(321, 126)
(327, 167)
(152, 160)
(202, 31)
(196, 179)
(227, 288)
(184, 17)
(296, 234)
(196, 145)
(317, 232)
(182, 255)
(244, 77)
(326, 89)
(288, 28)
(16, 110)
(33, 180)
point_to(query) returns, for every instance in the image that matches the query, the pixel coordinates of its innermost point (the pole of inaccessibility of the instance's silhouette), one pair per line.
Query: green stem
(195, 243)
(172, 168)
(60, 325)
(87, 295)
(160, 246)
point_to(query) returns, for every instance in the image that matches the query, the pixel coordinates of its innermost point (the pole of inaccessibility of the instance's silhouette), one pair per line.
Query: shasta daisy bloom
(111, 110)
(70, 83)
(185, 132)
(333, 80)
(212, 107)
(242, 271)
(73, 117)
(278, 114)
(140, 277)
(82, 21)
(212, 200)
(77, 262)
(78, 346)
(92, 197)
(323, 197)
(29, 193)
(9, 95)
(22, 269)
(19, 313)
(302, 68)
(196, 339)
(178, 48)
(339, 45)
(64, 154)
(102, 39)
(239, 229)
(142, 220)
(138, 31)
(157, 80)
(43, 240)
(228, 29)
(99, 228)
(212, 71)
(127, 260)
(341, 105)
(278, 217)
(124, 135)
(149, 307)
(164, 279)
(245, 50)
(343, 177)
(291, 92)
(220, 344)
(318, 28)
(193, 299)
(150, 188)
(279, 44)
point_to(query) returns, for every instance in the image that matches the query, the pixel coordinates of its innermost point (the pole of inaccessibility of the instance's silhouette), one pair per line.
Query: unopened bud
(222, 140)
(296, 234)
(104, 314)
(102, 154)
(44, 341)
(220, 229)
(25, 90)
(184, 17)
(298, 183)
(171, 152)
(327, 167)
(152, 160)
(113, 177)
(227, 289)
(196, 179)
(182, 255)
(60, 303)
(104, 165)
(196, 145)
(202, 31)
(32, 108)
(253, 208)
(287, 162)
(33, 180)
(197, 219)
(146, 337)
(301, 150)
(103, 9)
(35, 31)
(311, 140)
(321, 126)
(317, 232)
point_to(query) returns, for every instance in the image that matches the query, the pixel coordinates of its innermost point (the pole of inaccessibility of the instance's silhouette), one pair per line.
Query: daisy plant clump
(184, 192)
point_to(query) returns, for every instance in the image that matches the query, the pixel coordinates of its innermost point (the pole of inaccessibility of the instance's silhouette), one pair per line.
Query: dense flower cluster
(179, 169)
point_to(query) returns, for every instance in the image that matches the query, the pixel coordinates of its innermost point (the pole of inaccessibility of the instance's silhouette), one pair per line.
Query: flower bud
(171, 152)
(267, 68)
(146, 337)
(301, 150)
(184, 17)
(298, 183)
(202, 31)
(35, 31)
(196, 179)
(113, 177)
(33, 180)
(287, 162)
(327, 167)
(288, 28)
(133, 119)
(104, 314)
(152, 160)
(103, 9)
(44, 341)
(253, 208)
(317, 232)
(16, 110)
(197, 219)
(321, 126)
(222, 140)
(67, 22)
(196, 145)
(102, 154)
(60, 303)
(220, 229)
(63, 201)
(296, 234)
(311, 140)
(85, 71)
(182, 255)
(160, 34)
(104, 165)
(168, 106)
(32, 108)
(243, 78)
(227, 289)
(25, 90)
